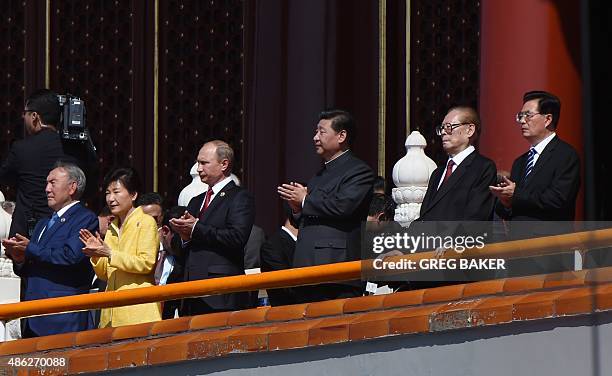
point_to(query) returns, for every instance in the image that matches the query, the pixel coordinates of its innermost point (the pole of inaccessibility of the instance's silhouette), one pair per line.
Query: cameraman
(29, 160)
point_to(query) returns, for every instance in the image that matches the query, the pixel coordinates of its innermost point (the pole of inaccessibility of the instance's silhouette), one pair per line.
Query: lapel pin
(62, 219)
(221, 194)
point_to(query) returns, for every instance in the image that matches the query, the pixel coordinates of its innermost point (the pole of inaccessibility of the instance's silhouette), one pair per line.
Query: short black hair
(547, 104)
(149, 198)
(127, 176)
(46, 104)
(341, 120)
(382, 204)
(172, 213)
(379, 184)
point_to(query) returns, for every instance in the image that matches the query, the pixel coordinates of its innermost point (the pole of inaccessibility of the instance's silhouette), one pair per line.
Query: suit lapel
(430, 194)
(49, 232)
(542, 159)
(454, 178)
(522, 165)
(217, 200)
(195, 204)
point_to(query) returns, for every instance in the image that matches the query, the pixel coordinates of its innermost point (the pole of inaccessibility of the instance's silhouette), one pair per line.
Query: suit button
(330, 244)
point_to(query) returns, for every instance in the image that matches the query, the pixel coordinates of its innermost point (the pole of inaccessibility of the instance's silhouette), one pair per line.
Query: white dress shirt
(457, 159)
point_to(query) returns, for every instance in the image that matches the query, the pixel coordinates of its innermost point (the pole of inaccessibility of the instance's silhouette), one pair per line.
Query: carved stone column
(410, 176)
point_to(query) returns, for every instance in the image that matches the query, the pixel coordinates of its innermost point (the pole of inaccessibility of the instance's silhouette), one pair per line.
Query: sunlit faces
(59, 189)
(118, 199)
(210, 169)
(459, 137)
(533, 126)
(326, 140)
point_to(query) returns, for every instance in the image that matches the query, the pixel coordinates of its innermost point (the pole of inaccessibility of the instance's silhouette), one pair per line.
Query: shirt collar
(330, 164)
(457, 159)
(65, 208)
(290, 233)
(539, 147)
(221, 184)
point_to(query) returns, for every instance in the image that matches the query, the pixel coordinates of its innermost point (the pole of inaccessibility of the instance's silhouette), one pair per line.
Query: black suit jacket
(27, 166)
(252, 249)
(465, 195)
(217, 243)
(337, 202)
(549, 192)
(277, 254)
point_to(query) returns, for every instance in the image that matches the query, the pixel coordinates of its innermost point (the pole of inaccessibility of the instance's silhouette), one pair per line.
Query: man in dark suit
(277, 254)
(543, 184)
(51, 260)
(215, 229)
(333, 206)
(457, 201)
(544, 181)
(459, 190)
(30, 160)
(170, 263)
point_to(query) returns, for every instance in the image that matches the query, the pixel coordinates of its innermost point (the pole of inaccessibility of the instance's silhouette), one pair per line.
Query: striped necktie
(530, 158)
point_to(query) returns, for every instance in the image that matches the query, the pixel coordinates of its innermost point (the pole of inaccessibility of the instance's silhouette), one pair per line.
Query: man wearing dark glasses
(29, 160)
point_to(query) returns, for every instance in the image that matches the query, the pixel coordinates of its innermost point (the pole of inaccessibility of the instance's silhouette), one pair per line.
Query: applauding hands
(94, 245)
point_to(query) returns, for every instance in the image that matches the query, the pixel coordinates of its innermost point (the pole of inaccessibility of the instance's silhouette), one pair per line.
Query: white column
(411, 175)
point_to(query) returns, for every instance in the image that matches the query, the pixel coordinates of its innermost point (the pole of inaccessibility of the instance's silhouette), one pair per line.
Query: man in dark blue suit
(52, 261)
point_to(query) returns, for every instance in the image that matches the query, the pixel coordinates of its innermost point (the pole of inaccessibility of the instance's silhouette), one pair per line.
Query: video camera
(73, 125)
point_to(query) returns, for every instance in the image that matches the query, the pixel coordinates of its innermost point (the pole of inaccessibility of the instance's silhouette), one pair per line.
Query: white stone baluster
(410, 176)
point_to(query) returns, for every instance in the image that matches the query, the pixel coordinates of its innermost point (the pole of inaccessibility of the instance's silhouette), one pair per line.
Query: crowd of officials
(58, 246)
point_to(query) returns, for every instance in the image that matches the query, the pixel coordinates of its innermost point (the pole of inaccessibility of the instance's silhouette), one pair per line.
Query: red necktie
(209, 194)
(449, 170)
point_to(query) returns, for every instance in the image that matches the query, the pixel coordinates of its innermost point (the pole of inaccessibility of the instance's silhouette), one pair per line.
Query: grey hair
(74, 174)
(224, 151)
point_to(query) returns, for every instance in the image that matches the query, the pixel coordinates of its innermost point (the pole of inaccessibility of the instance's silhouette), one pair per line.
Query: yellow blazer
(132, 264)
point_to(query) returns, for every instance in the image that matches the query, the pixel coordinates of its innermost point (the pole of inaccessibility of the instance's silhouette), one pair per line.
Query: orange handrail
(291, 277)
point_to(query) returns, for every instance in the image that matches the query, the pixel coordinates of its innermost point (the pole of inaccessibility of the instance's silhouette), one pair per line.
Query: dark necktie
(449, 171)
(530, 159)
(209, 194)
(159, 267)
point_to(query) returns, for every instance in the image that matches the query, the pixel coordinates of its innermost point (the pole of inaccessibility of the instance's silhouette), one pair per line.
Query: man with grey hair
(215, 228)
(51, 261)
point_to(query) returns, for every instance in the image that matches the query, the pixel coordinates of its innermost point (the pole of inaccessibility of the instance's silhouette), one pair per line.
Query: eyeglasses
(525, 116)
(448, 127)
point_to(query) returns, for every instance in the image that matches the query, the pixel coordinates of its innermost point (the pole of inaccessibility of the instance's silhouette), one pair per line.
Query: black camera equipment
(73, 125)
(73, 122)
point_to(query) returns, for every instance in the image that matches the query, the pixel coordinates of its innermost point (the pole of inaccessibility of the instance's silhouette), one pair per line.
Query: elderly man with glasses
(459, 190)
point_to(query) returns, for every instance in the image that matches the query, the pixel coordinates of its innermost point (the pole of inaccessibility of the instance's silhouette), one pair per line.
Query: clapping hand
(184, 225)
(294, 194)
(504, 191)
(15, 247)
(94, 245)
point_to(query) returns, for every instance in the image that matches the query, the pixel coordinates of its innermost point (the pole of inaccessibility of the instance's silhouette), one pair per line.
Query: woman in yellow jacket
(126, 258)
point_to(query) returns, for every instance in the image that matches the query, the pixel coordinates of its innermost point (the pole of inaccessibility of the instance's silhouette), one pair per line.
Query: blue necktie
(52, 221)
(530, 156)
